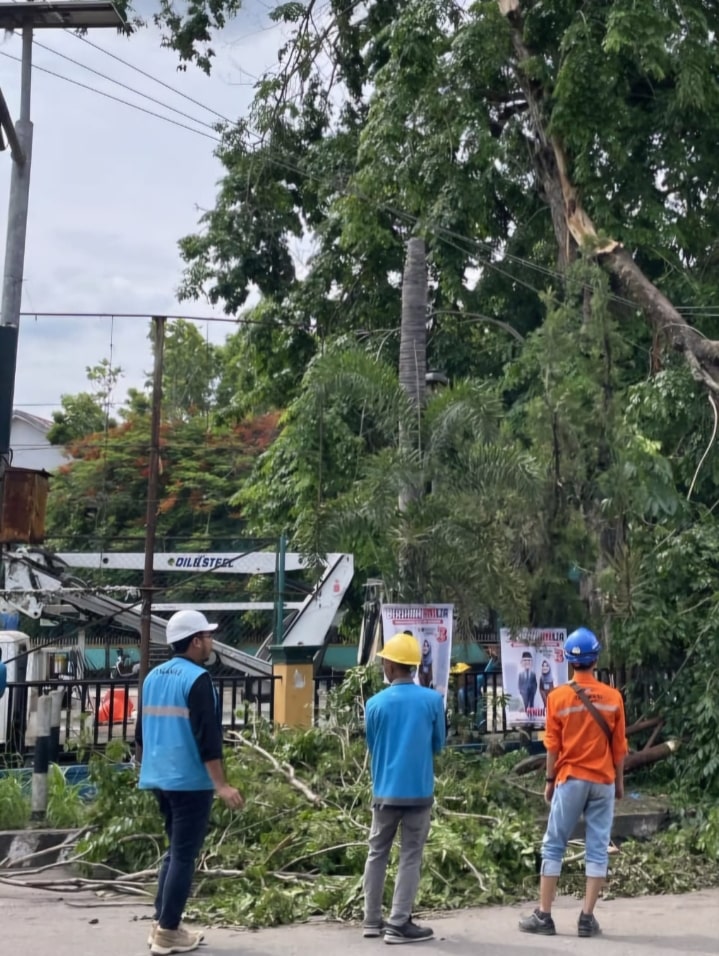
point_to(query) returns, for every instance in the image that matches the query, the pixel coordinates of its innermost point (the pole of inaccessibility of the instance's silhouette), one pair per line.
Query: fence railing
(95, 712)
(323, 686)
(475, 702)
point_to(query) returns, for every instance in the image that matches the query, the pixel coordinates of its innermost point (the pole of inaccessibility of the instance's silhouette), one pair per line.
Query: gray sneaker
(587, 925)
(537, 924)
(409, 932)
(373, 930)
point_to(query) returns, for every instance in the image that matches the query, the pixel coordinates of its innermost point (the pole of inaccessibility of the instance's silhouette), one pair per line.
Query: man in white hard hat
(405, 728)
(179, 734)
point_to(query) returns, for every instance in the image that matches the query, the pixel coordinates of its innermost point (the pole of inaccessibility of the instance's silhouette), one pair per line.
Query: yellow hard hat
(460, 668)
(402, 649)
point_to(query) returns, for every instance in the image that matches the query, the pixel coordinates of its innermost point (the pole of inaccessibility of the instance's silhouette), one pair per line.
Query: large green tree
(557, 159)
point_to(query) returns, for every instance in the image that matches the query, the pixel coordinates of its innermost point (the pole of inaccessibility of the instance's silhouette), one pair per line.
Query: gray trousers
(415, 829)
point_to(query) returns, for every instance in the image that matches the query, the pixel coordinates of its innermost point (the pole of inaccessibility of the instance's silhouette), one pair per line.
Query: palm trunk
(412, 378)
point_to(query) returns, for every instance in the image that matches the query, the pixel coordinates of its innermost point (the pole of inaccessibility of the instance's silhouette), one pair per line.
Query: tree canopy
(556, 159)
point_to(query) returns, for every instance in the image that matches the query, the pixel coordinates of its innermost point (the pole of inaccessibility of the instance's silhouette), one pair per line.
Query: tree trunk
(413, 350)
(412, 378)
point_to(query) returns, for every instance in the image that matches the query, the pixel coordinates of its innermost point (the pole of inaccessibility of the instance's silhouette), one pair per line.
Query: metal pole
(280, 591)
(56, 697)
(38, 797)
(152, 497)
(15, 253)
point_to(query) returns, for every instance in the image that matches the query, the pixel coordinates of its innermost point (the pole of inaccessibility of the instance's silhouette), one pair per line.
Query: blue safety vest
(170, 756)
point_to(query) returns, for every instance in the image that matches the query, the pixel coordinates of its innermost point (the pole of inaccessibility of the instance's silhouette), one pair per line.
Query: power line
(35, 314)
(110, 96)
(271, 156)
(122, 85)
(154, 79)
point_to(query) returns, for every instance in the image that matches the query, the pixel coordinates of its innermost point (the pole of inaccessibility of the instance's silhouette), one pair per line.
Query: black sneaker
(408, 933)
(538, 924)
(587, 925)
(373, 930)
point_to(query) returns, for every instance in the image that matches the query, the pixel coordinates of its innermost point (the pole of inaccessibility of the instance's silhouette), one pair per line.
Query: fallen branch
(635, 758)
(477, 875)
(641, 758)
(286, 769)
(644, 724)
(325, 849)
(76, 885)
(470, 816)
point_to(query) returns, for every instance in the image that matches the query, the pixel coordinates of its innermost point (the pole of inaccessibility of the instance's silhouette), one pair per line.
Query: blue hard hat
(582, 646)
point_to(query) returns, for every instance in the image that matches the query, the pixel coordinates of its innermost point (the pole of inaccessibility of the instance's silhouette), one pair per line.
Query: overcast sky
(112, 190)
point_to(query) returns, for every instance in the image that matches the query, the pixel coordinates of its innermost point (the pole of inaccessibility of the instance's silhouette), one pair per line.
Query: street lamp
(28, 16)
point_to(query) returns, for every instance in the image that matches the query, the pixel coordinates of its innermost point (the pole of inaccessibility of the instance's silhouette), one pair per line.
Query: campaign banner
(431, 624)
(533, 662)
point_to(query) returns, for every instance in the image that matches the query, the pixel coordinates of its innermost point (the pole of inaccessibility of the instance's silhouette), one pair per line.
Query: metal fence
(95, 712)
(474, 703)
(323, 686)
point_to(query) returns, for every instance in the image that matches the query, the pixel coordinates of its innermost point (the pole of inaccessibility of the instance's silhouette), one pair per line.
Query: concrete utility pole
(15, 250)
(158, 322)
(28, 16)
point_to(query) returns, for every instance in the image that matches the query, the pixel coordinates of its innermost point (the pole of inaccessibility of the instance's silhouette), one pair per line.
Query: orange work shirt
(581, 745)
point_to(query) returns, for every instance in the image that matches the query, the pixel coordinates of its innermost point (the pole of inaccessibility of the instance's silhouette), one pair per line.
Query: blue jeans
(186, 814)
(571, 799)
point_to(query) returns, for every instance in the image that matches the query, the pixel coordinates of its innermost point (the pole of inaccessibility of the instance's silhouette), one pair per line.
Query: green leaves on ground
(297, 849)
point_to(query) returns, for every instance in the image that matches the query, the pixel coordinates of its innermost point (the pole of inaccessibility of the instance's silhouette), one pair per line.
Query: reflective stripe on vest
(158, 711)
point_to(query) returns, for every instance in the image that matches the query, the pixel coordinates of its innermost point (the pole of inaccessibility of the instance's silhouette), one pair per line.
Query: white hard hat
(186, 623)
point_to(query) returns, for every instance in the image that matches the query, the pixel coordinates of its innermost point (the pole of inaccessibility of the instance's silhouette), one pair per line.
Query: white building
(30, 447)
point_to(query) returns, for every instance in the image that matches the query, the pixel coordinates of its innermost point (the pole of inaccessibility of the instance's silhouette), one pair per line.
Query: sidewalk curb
(23, 849)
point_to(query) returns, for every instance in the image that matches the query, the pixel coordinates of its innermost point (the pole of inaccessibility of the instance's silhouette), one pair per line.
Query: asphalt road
(37, 922)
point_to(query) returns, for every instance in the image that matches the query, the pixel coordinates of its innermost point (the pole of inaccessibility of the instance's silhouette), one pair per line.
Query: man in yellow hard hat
(405, 727)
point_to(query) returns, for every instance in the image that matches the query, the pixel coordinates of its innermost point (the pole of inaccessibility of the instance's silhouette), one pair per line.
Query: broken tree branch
(574, 228)
(634, 759)
(287, 770)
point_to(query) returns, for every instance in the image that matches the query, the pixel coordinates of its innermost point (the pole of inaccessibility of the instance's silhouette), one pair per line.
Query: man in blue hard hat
(405, 727)
(586, 747)
(179, 734)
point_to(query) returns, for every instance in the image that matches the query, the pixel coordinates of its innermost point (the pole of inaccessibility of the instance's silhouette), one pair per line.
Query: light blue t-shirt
(405, 727)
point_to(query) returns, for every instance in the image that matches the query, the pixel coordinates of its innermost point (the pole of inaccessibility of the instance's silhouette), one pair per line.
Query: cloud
(112, 191)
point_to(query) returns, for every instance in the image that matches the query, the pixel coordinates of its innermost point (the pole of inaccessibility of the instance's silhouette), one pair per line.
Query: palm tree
(465, 543)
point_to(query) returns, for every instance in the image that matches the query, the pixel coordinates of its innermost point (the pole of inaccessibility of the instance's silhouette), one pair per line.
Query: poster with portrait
(533, 662)
(431, 624)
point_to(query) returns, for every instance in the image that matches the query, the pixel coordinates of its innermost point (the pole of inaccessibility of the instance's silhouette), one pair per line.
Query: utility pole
(152, 498)
(26, 17)
(15, 250)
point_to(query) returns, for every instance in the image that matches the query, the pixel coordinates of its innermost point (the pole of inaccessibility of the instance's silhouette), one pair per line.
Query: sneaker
(167, 941)
(153, 929)
(373, 930)
(538, 924)
(409, 932)
(587, 925)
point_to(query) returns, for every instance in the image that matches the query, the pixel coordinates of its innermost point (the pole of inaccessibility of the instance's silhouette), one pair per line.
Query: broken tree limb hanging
(574, 228)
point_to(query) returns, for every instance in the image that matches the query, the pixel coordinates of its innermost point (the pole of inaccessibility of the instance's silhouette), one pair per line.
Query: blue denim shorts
(572, 799)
